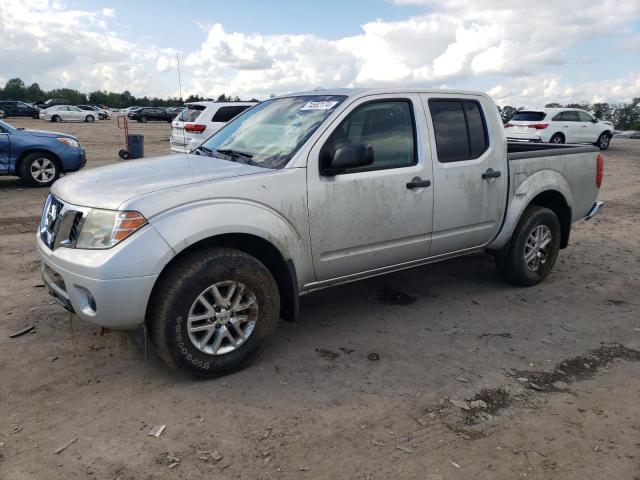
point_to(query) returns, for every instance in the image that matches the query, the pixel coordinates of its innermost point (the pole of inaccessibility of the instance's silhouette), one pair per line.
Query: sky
(521, 53)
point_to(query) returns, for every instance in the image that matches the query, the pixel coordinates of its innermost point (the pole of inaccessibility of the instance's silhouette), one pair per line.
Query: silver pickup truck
(209, 250)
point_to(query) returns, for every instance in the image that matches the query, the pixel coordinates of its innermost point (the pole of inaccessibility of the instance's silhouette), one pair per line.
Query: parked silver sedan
(67, 113)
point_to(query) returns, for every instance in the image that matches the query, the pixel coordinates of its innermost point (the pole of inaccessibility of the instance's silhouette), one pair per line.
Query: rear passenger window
(460, 129)
(224, 114)
(566, 117)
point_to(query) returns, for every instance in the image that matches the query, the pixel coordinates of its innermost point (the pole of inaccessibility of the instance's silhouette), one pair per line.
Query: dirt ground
(440, 372)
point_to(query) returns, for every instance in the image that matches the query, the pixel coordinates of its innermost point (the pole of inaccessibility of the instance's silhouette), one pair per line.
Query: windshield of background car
(191, 113)
(269, 134)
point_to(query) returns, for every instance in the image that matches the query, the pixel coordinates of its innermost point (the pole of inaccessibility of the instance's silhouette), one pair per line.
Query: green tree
(34, 93)
(507, 112)
(14, 89)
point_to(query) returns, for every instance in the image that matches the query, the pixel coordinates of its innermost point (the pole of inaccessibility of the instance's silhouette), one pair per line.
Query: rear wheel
(557, 138)
(603, 141)
(213, 312)
(533, 249)
(39, 169)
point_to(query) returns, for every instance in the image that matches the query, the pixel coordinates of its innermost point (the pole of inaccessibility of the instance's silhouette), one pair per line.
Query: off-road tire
(511, 263)
(181, 285)
(558, 137)
(604, 140)
(25, 169)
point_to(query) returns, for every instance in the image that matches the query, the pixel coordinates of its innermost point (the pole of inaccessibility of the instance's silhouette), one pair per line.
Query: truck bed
(520, 150)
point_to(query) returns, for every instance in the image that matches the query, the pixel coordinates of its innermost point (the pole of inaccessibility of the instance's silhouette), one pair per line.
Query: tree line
(16, 89)
(624, 116)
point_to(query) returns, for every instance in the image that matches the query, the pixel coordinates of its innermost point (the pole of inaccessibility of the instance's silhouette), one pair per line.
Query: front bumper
(74, 161)
(106, 287)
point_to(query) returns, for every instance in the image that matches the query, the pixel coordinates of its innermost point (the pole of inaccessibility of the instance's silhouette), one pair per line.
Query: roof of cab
(362, 92)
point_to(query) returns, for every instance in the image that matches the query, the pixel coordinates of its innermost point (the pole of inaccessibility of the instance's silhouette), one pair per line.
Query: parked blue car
(38, 156)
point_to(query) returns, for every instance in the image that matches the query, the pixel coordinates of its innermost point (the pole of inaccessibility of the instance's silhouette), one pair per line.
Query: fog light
(86, 302)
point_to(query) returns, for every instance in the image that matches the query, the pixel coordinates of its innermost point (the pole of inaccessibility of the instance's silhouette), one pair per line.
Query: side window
(478, 141)
(570, 117)
(224, 114)
(584, 117)
(387, 126)
(460, 129)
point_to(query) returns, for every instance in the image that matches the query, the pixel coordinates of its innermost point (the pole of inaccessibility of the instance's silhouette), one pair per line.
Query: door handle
(491, 173)
(417, 182)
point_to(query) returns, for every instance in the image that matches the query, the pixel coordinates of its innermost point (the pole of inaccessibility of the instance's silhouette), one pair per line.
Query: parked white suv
(199, 120)
(67, 113)
(559, 125)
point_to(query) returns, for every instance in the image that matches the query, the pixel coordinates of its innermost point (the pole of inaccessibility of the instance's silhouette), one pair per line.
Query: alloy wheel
(536, 248)
(222, 317)
(43, 170)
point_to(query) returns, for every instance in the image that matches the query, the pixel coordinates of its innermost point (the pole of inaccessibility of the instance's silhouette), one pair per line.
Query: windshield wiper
(234, 153)
(206, 150)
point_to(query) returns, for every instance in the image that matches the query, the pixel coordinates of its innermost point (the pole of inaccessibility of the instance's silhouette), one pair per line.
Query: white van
(199, 120)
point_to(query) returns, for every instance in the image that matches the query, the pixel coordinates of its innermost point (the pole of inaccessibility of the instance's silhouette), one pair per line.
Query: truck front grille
(60, 223)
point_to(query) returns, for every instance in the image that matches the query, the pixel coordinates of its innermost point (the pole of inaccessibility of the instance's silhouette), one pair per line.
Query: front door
(5, 150)
(470, 174)
(367, 218)
(588, 129)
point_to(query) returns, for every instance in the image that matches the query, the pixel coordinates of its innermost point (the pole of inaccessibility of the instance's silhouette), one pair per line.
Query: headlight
(69, 141)
(105, 228)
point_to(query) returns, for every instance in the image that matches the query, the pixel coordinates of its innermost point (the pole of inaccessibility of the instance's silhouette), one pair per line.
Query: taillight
(539, 126)
(599, 170)
(508, 125)
(194, 128)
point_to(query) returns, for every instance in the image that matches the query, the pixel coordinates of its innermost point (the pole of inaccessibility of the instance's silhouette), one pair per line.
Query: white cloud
(515, 45)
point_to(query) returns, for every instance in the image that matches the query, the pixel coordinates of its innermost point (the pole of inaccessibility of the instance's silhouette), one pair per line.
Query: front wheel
(533, 249)
(143, 119)
(213, 312)
(603, 141)
(89, 119)
(39, 169)
(56, 118)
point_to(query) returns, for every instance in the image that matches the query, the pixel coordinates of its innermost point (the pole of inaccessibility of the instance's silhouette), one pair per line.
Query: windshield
(269, 134)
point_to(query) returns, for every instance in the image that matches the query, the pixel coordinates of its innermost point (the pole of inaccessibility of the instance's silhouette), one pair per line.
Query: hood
(110, 186)
(47, 133)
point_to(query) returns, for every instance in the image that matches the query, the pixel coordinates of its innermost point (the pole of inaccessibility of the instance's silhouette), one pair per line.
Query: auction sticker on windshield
(319, 105)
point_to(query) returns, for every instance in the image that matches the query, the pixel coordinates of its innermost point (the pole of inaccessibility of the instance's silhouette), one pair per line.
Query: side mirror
(347, 156)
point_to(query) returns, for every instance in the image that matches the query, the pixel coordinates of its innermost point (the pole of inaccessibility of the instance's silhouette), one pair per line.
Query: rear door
(568, 126)
(470, 174)
(370, 218)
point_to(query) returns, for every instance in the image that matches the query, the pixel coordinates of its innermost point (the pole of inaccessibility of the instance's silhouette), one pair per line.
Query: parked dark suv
(151, 113)
(13, 108)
